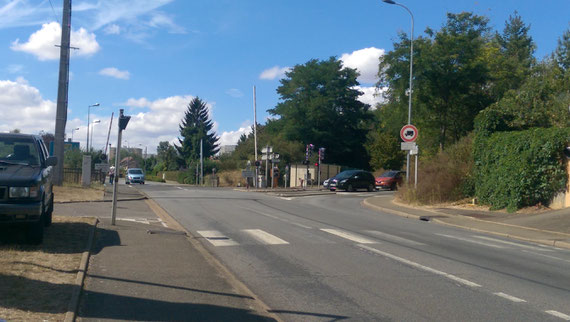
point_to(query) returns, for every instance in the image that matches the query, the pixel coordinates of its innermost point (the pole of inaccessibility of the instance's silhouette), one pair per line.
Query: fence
(73, 175)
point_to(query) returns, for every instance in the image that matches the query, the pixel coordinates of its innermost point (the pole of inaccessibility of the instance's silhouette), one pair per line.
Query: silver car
(134, 175)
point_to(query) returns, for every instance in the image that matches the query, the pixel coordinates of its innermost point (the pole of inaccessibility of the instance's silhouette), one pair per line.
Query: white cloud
(234, 92)
(112, 29)
(42, 43)
(232, 137)
(274, 73)
(14, 69)
(366, 62)
(114, 72)
(22, 107)
(160, 20)
(372, 96)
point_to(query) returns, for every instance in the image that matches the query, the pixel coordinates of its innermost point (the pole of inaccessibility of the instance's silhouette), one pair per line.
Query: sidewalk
(549, 228)
(141, 271)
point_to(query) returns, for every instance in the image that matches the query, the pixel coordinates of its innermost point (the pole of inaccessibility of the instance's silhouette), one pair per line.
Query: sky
(152, 57)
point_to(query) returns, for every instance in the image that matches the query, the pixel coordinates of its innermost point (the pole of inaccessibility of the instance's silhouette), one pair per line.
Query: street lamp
(410, 94)
(73, 130)
(93, 130)
(88, 124)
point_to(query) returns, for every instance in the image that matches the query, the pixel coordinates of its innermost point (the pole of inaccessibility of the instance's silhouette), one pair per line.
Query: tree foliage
(319, 105)
(197, 126)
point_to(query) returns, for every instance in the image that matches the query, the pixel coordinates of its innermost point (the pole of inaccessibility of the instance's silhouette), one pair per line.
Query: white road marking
(509, 297)
(513, 244)
(470, 241)
(547, 256)
(394, 238)
(286, 198)
(421, 267)
(179, 188)
(162, 223)
(350, 236)
(559, 315)
(216, 238)
(265, 237)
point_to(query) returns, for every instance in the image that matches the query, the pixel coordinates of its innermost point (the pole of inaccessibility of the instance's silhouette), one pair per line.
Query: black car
(351, 180)
(26, 187)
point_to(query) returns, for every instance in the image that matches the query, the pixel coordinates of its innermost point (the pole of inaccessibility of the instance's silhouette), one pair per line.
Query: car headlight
(343, 181)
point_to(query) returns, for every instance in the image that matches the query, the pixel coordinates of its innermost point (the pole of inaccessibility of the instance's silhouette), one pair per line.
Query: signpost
(409, 134)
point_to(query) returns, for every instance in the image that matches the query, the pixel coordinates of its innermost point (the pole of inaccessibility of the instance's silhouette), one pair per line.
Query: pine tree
(197, 126)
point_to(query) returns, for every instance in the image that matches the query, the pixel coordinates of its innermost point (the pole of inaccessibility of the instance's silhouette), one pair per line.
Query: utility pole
(109, 134)
(201, 164)
(62, 91)
(123, 121)
(255, 135)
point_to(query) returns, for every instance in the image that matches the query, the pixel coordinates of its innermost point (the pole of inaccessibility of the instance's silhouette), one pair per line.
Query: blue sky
(151, 57)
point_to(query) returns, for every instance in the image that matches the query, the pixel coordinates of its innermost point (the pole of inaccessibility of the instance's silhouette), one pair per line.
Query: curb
(553, 243)
(73, 306)
(103, 200)
(210, 258)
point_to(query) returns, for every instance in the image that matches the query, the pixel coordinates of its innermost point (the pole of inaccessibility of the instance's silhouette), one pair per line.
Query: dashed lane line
(470, 241)
(350, 236)
(513, 244)
(394, 238)
(509, 297)
(559, 315)
(421, 267)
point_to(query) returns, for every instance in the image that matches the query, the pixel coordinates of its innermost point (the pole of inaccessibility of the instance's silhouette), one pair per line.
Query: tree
(384, 150)
(167, 156)
(197, 126)
(511, 56)
(319, 105)
(562, 52)
(450, 79)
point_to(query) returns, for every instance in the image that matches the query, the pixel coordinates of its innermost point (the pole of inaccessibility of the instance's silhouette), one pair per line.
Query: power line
(55, 15)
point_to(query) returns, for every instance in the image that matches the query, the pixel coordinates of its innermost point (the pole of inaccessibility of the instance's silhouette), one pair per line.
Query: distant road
(326, 258)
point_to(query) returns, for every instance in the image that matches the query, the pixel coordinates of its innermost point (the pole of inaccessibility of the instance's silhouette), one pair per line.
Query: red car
(390, 179)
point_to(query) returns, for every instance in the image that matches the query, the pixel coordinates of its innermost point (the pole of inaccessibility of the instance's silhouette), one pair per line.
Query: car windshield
(18, 151)
(346, 174)
(135, 171)
(389, 174)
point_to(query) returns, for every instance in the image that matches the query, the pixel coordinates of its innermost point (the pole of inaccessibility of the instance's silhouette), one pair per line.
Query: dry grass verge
(36, 282)
(68, 193)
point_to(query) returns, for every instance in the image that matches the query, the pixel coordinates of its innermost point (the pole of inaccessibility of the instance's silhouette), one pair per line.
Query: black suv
(351, 180)
(26, 194)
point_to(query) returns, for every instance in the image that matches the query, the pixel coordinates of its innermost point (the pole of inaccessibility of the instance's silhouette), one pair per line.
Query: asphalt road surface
(327, 258)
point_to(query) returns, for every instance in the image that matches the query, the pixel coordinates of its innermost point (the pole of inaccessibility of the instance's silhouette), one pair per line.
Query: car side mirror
(51, 161)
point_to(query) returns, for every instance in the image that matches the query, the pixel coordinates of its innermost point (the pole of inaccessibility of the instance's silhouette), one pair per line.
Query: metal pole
(117, 172)
(109, 134)
(62, 92)
(266, 164)
(416, 173)
(255, 133)
(201, 164)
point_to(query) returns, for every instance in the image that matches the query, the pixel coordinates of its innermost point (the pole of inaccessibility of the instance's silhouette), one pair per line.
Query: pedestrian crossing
(256, 236)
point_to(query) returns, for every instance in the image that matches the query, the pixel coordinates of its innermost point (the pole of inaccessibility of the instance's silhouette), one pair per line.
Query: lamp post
(93, 130)
(88, 124)
(73, 130)
(410, 93)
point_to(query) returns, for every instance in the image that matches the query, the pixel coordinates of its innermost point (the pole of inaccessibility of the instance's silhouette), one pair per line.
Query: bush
(444, 177)
(519, 169)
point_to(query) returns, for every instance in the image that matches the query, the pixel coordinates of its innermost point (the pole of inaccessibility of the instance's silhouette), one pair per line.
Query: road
(327, 258)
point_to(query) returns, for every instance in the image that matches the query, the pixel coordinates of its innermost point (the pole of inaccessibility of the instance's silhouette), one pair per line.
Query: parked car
(351, 180)
(134, 175)
(26, 184)
(326, 183)
(390, 179)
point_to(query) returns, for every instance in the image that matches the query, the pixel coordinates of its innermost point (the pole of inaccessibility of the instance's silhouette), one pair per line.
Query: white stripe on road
(470, 241)
(544, 255)
(514, 244)
(179, 188)
(509, 297)
(162, 223)
(421, 267)
(559, 315)
(216, 238)
(394, 238)
(265, 237)
(350, 236)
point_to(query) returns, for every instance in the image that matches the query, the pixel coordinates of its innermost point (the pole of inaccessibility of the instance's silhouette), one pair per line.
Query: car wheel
(49, 213)
(35, 232)
(370, 188)
(350, 188)
(394, 187)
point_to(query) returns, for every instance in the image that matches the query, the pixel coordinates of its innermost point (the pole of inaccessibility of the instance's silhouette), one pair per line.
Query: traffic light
(276, 172)
(316, 164)
(123, 120)
(305, 162)
(257, 163)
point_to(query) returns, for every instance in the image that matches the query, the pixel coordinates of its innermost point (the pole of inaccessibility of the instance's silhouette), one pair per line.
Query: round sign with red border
(409, 133)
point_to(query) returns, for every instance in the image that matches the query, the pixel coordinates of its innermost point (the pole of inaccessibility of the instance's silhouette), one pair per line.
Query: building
(226, 149)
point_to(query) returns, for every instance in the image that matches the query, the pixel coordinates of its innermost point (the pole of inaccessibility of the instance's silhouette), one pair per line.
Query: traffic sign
(247, 174)
(408, 145)
(409, 133)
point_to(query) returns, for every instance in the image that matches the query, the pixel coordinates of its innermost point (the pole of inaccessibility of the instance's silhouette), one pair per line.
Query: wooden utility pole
(62, 91)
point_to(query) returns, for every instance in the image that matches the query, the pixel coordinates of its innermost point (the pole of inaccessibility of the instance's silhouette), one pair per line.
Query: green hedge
(519, 169)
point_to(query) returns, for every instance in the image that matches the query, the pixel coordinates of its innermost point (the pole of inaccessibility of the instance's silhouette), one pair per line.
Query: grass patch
(36, 282)
(73, 192)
